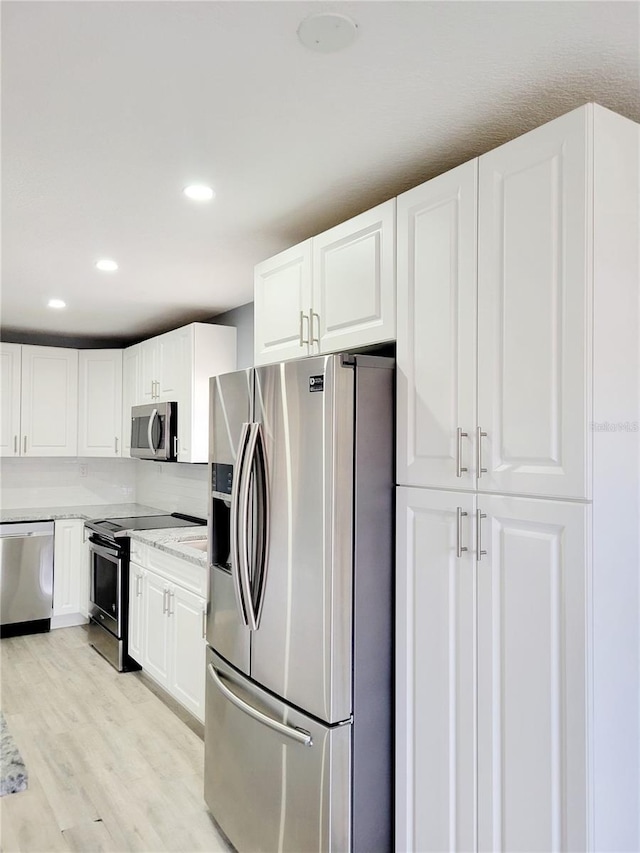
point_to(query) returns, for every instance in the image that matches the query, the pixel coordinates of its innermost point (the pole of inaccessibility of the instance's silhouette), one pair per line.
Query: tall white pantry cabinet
(518, 500)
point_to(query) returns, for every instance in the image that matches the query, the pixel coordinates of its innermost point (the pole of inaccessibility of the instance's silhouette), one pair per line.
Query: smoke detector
(327, 32)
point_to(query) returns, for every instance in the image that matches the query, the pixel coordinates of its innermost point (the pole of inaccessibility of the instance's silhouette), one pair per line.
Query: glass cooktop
(144, 522)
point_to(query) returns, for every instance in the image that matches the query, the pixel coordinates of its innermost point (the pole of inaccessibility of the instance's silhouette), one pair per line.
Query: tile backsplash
(48, 482)
(172, 486)
(45, 481)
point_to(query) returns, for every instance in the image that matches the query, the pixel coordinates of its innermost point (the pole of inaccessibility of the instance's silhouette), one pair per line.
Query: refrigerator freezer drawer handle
(298, 735)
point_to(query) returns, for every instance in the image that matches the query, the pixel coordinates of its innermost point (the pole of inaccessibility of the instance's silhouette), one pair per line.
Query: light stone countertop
(175, 542)
(95, 511)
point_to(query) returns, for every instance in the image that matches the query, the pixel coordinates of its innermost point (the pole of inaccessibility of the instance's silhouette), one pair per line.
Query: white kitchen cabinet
(282, 300)
(335, 291)
(175, 368)
(557, 630)
(435, 671)
(49, 401)
(533, 652)
(436, 350)
(131, 391)
(167, 606)
(156, 647)
(100, 403)
(516, 408)
(10, 379)
(188, 649)
(69, 569)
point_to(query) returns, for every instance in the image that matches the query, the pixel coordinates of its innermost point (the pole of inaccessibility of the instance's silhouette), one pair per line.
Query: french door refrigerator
(298, 726)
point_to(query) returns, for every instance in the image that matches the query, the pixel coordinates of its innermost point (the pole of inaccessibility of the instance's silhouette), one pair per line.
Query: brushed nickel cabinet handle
(25, 444)
(171, 595)
(479, 552)
(204, 623)
(165, 606)
(304, 340)
(116, 444)
(15, 444)
(138, 585)
(314, 340)
(480, 436)
(460, 436)
(459, 547)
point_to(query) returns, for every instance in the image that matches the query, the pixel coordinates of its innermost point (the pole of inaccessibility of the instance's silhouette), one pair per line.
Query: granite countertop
(176, 542)
(54, 513)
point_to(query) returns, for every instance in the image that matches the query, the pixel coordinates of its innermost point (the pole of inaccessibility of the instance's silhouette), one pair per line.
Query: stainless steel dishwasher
(26, 577)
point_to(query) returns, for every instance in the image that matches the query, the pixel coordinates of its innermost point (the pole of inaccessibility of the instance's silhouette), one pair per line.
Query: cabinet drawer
(182, 572)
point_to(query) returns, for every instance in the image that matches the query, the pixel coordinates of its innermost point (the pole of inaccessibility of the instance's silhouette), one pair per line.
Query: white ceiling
(110, 108)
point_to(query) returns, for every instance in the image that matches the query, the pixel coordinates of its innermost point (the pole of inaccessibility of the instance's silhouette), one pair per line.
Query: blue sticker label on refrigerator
(316, 383)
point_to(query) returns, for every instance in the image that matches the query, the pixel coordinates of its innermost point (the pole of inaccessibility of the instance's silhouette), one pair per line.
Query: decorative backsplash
(172, 486)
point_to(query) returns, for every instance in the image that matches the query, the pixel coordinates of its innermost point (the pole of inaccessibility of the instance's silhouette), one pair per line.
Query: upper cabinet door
(175, 358)
(100, 403)
(282, 287)
(436, 392)
(533, 312)
(10, 356)
(49, 401)
(354, 294)
(131, 394)
(533, 659)
(148, 371)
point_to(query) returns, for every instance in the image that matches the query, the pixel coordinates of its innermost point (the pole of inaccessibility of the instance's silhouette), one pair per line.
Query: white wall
(173, 487)
(45, 482)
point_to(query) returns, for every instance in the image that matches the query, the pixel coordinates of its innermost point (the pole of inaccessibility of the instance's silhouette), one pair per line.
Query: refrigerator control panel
(222, 478)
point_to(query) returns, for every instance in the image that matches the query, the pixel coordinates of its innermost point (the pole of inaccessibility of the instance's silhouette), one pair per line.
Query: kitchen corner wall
(49, 482)
(172, 486)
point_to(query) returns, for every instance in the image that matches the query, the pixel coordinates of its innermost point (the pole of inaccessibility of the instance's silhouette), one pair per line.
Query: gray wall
(242, 319)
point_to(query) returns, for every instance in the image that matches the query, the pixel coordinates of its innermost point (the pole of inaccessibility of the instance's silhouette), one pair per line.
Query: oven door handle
(105, 552)
(152, 447)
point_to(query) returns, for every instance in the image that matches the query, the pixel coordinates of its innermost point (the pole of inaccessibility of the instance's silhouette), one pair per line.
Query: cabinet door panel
(354, 281)
(148, 370)
(282, 293)
(68, 557)
(533, 298)
(175, 360)
(188, 648)
(437, 330)
(435, 673)
(156, 627)
(10, 360)
(131, 393)
(532, 641)
(49, 401)
(136, 612)
(100, 403)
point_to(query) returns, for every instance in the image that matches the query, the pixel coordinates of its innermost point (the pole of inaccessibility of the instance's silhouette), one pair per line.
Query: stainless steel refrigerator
(298, 727)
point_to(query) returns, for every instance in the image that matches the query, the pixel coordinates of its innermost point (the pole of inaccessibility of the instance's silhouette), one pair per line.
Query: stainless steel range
(109, 546)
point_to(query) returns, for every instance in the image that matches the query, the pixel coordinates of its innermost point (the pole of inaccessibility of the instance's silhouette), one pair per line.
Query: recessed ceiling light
(56, 303)
(327, 32)
(199, 192)
(106, 265)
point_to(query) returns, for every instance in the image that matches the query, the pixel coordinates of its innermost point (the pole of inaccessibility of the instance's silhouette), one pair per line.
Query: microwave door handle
(235, 525)
(152, 447)
(243, 519)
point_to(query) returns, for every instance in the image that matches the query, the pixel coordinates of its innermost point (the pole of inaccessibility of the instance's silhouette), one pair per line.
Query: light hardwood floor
(110, 766)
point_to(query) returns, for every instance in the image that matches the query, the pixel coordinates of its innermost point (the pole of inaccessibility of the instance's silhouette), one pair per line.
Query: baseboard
(68, 620)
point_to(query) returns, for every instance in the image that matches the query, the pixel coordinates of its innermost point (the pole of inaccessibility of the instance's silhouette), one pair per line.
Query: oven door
(106, 584)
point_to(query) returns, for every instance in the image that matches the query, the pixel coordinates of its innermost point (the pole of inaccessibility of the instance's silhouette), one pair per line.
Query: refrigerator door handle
(262, 550)
(235, 524)
(245, 546)
(300, 735)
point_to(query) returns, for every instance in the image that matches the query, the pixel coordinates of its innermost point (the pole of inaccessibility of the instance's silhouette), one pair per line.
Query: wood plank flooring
(111, 767)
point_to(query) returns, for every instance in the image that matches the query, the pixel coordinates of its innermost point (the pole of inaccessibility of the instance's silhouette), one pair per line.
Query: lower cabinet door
(532, 659)
(435, 671)
(68, 582)
(156, 648)
(136, 612)
(188, 646)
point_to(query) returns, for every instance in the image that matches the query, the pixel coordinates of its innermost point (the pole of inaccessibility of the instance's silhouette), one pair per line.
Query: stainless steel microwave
(154, 431)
